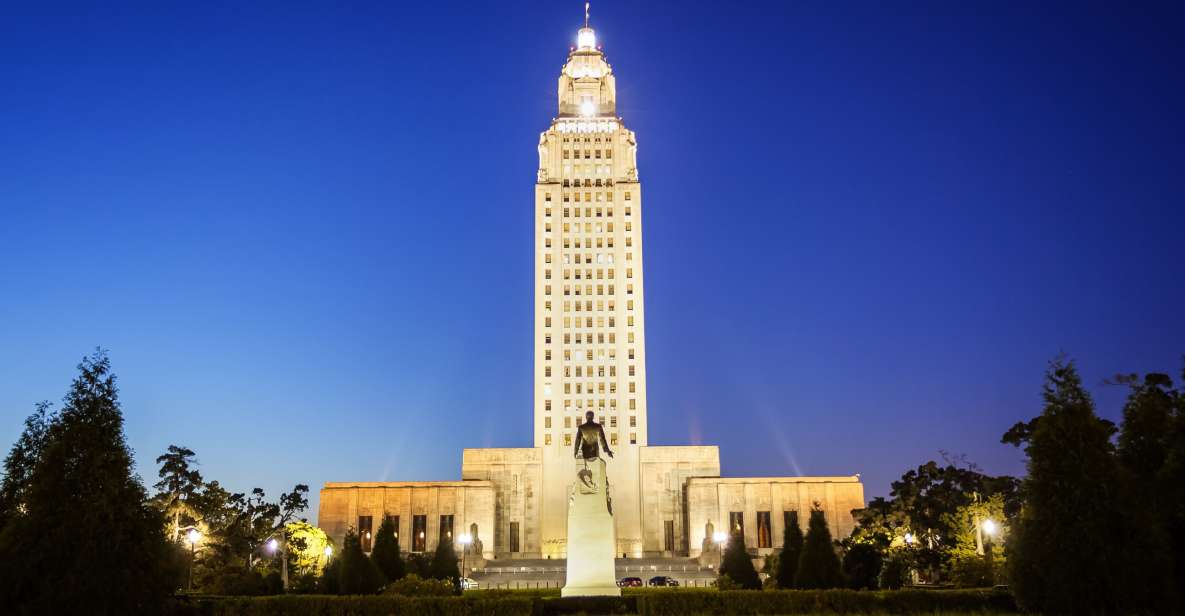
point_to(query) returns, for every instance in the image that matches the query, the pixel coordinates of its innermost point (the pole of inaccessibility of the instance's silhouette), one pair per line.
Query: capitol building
(590, 355)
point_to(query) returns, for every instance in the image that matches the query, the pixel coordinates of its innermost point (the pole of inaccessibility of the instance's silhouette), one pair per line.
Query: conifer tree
(89, 539)
(357, 574)
(818, 566)
(1078, 546)
(737, 565)
(444, 563)
(386, 552)
(18, 465)
(791, 552)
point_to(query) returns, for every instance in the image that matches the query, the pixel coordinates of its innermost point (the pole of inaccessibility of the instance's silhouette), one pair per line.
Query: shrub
(386, 552)
(862, 566)
(379, 605)
(836, 601)
(413, 585)
(237, 581)
(818, 567)
(357, 574)
(894, 572)
(444, 564)
(791, 552)
(737, 565)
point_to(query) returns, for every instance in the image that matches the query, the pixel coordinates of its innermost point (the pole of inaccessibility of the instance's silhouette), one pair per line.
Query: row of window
(587, 182)
(588, 227)
(419, 527)
(570, 322)
(588, 196)
(588, 274)
(579, 419)
(588, 289)
(587, 306)
(589, 212)
(588, 339)
(736, 524)
(612, 439)
(588, 356)
(588, 242)
(586, 140)
(587, 154)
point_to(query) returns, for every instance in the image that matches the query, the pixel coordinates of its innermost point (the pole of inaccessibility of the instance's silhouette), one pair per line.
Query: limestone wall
(663, 472)
(516, 475)
(468, 502)
(712, 499)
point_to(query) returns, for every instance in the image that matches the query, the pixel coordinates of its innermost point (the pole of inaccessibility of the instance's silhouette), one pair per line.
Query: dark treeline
(1096, 527)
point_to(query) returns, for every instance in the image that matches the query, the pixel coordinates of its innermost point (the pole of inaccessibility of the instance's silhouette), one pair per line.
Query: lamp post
(193, 536)
(989, 528)
(465, 540)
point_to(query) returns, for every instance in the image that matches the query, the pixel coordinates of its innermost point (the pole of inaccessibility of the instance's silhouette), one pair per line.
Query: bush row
(357, 605)
(695, 601)
(660, 603)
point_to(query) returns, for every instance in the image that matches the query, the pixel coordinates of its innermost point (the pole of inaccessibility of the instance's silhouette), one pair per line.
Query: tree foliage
(444, 563)
(791, 552)
(737, 566)
(19, 464)
(357, 574)
(179, 482)
(88, 536)
(386, 552)
(1080, 545)
(862, 566)
(818, 566)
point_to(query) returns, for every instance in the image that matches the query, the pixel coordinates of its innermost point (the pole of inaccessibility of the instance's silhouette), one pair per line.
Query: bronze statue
(590, 436)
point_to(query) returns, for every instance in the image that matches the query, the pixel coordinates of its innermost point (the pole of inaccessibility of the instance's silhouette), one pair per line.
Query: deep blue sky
(304, 231)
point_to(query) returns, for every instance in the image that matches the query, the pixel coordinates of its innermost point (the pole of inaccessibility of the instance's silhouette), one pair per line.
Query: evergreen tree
(444, 563)
(737, 565)
(862, 566)
(90, 542)
(791, 552)
(18, 465)
(818, 566)
(357, 574)
(1078, 546)
(177, 486)
(386, 552)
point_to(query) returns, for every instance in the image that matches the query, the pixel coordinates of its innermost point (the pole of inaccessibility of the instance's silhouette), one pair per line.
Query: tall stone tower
(590, 336)
(590, 355)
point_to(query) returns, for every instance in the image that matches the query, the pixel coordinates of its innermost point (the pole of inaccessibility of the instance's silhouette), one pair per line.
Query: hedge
(704, 601)
(660, 602)
(368, 605)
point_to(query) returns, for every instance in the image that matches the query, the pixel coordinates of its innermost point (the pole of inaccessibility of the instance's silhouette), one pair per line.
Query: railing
(625, 568)
(543, 584)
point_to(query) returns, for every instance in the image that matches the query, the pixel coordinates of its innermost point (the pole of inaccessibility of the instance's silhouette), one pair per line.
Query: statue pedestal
(591, 535)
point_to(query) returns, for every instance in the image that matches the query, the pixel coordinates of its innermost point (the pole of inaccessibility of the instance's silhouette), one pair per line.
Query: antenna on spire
(586, 13)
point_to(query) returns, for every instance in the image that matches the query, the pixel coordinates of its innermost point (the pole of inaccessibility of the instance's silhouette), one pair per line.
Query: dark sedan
(663, 580)
(629, 581)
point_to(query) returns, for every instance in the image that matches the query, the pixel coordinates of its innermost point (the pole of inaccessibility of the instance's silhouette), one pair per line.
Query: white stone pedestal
(591, 535)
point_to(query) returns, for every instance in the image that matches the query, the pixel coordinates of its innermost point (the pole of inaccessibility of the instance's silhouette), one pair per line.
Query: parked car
(468, 584)
(629, 581)
(663, 580)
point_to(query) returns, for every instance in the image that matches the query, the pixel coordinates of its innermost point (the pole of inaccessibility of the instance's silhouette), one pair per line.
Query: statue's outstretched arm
(604, 441)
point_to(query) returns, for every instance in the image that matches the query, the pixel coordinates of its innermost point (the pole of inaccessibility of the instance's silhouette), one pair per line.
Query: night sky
(304, 231)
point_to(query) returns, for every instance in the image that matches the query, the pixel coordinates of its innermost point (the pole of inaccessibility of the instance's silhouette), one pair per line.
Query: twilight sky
(304, 230)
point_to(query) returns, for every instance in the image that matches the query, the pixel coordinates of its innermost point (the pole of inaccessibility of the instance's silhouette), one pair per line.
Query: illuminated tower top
(586, 86)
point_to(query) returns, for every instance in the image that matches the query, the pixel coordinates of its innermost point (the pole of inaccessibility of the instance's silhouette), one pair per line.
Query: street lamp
(989, 527)
(720, 538)
(272, 544)
(328, 552)
(908, 538)
(193, 537)
(465, 540)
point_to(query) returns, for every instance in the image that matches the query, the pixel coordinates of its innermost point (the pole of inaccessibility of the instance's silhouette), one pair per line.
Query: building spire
(586, 13)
